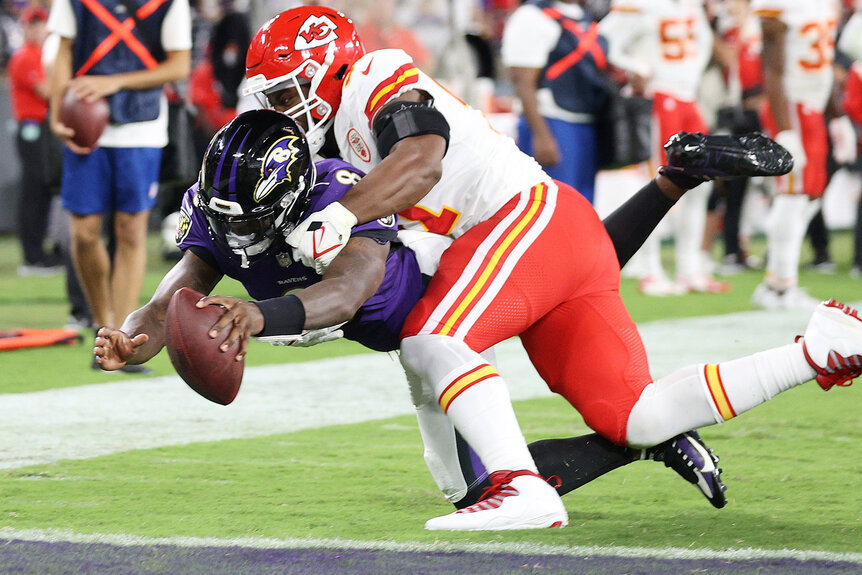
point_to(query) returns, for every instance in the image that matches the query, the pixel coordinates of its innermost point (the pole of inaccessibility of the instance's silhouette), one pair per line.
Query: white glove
(843, 137)
(321, 236)
(307, 338)
(790, 141)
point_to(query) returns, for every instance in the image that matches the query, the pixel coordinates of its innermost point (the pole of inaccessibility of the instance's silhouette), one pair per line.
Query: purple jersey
(378, 322)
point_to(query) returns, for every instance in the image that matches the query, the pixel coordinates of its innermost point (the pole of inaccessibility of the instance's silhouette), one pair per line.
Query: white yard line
(531, 549)
(100, 419)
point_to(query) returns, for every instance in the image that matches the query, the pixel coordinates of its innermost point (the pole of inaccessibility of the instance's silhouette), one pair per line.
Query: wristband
(282, 315)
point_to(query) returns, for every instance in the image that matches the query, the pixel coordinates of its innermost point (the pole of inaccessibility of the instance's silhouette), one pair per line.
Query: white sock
(474, 396)
(690, 224)
(651, 251)
(738, 385)
(701, 395)
(786, 226)
(483, 414)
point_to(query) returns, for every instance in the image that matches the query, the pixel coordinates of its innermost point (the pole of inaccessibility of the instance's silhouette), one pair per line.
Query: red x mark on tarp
(587, 42)
(120, 31)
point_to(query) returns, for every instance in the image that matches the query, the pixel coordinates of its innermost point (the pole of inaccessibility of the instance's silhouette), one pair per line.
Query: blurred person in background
(11, 35)
(738, 49)
(214, 81)
(229, 43)
(379, 28)
(850, 45)
(59, 224)
(210, 111)
(842, 145)
(664, 47)
(556, 61)
(100, 56)
(30, 91)
(797, 58)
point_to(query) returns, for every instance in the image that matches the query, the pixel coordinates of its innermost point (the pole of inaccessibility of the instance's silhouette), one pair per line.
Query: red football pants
(811, 126)
(671, 116)
(544, 268)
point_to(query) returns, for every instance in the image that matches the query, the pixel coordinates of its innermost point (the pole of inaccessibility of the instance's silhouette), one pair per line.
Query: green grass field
(792, 467)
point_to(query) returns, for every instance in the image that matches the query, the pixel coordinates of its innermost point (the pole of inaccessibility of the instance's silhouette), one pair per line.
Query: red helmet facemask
(309, 50)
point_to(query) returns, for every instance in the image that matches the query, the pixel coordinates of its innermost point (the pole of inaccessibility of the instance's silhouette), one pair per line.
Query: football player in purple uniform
(256, 182)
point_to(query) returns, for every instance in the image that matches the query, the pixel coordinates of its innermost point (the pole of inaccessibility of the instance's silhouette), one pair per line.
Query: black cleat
(689, 456)
(709, 157)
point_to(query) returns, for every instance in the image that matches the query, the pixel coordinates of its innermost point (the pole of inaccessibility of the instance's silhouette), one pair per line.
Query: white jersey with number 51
(669, 42)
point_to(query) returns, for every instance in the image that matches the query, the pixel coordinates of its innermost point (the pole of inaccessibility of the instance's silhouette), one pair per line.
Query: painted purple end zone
(25, 557)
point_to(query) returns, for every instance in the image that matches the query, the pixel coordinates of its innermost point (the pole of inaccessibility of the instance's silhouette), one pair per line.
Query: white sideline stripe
(532, 549)
(100, 419)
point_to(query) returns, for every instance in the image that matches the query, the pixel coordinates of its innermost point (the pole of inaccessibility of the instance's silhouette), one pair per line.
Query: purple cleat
(689, 456)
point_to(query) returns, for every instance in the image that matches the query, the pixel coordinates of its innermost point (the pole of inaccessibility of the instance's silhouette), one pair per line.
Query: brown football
(88, 119)
(214, 374)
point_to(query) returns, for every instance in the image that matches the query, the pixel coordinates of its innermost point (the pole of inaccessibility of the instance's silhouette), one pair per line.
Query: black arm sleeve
(398, 120)
(575, 461)
(632, 223)
(205, 255)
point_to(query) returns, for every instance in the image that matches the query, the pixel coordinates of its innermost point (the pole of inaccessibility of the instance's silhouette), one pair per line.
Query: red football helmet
(309, 49)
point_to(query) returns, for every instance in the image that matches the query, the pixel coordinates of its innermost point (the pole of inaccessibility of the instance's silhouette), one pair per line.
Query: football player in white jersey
(665, 45)
(530, 257)
(797, 55)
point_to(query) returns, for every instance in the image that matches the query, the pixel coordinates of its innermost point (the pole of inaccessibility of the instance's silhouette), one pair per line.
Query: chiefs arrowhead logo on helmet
(308, 50)
(315, 32)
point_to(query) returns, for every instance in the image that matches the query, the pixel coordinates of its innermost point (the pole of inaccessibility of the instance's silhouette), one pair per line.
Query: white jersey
(667, 41)
(850, 42)
(482, 169)
(809, 47)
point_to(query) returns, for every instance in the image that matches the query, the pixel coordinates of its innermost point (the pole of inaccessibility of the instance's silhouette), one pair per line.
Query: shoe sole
(548, 521)
(697, 154)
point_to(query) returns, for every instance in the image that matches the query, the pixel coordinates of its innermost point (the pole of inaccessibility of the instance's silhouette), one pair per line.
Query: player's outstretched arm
(142, 335)
(351, 279)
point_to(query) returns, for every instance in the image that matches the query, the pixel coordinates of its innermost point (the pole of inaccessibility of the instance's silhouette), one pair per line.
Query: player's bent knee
(413, 357)
(421, 393)
(606, 420)
(432, 357)
(649, 423)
